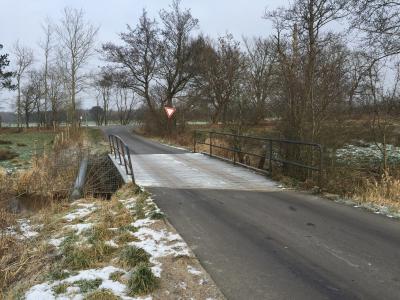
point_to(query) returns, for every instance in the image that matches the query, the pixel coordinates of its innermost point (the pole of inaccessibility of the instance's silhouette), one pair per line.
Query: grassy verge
(21, 146)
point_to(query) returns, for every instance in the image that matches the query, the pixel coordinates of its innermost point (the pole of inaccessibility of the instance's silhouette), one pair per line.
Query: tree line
(326, 60)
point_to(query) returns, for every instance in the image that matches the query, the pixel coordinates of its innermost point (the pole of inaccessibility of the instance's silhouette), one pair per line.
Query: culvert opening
(102, 178)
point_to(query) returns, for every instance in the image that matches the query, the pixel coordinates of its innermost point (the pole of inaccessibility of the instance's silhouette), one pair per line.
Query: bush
(142, 280)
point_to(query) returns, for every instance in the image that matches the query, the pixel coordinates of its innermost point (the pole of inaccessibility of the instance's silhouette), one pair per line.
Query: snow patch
(79, 228)
(193, 270)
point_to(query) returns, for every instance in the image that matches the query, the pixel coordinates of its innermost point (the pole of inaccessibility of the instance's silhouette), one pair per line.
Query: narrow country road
(260, 242)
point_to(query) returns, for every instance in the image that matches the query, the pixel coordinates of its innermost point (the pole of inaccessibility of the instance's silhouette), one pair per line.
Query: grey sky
(21, 19)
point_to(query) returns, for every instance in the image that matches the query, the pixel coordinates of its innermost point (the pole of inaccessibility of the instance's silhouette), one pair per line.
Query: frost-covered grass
(25, 144)
(367, 154)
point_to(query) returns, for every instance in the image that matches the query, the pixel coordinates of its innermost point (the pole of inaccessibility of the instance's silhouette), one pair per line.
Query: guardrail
(271, 151)
(122, 154)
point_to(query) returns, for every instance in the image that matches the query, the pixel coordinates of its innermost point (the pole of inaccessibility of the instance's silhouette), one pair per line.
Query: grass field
(22, 145)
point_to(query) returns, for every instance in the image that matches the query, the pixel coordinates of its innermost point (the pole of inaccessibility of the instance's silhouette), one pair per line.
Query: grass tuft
(102, 294)
(131, 256)
(60, 289)
(58, 273)
(116, 276)
(88, 285)
(142, 280)
(156, 215)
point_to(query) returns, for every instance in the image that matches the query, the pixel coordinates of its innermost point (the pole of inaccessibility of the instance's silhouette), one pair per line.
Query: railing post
(124, 157)
(320, 166)
(194, 141)
(113, 143)
(119, 150)
(109, 142)
(211, 143)
(270, 158)
(130, 164)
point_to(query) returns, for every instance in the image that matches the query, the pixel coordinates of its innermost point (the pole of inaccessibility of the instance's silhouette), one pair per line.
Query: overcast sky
(21, 19)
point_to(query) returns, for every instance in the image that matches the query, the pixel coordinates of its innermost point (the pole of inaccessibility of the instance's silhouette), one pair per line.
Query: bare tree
(47, 46)
(31, 95)
(125, 98)
(220, 71)
(261, 58)
(56, 92)
(380, 21)
(104, 84)
(77, 38)
(176, 61)
(24, 59)
(138, 58)
(302, 46)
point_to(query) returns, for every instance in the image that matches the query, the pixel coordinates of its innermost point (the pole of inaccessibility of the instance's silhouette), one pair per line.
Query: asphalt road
(275, 244)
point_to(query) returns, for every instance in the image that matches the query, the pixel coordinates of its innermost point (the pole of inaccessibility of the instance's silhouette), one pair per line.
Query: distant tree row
(325, 61)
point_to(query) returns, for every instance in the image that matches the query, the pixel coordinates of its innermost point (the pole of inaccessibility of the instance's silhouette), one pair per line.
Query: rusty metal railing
(121, 154)
(271, 151)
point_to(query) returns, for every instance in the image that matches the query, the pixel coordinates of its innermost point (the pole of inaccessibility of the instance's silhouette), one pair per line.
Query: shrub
(142, 280)
(131, 256)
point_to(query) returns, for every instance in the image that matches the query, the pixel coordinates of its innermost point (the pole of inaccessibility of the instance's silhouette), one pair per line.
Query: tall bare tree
(138, 58)
(77, 38)
(220, 72)
(47, 46)
(261, 57)
(176, 60)
(24, 60)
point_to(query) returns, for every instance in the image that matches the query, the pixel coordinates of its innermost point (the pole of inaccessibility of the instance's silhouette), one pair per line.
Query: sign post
(170, 112)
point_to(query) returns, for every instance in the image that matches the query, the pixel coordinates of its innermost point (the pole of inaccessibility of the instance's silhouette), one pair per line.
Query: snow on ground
(367, 153)
(24, 229)
(44, 291)
(156, 240)
(193, 270)
(377, 209)
(158, 243)
(84, 210)
(79, 228)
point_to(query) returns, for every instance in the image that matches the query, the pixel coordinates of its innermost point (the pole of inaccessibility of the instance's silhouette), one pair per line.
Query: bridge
(259, 241)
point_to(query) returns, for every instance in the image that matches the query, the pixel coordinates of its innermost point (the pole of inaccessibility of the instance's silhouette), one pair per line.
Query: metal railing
(270, 150)
(121, 154)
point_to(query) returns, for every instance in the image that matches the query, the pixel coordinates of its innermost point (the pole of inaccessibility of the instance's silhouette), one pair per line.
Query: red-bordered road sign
(170, 111)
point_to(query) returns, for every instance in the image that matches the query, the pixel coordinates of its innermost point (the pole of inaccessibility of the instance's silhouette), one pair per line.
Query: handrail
(269, 149)
(121, 151)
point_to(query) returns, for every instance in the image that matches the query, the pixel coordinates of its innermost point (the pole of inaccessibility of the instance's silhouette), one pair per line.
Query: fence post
(270, 158)
(194, 141)
(211, 143)
(320, 166)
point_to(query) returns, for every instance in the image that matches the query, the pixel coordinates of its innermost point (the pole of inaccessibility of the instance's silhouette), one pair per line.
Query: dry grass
(385, 192)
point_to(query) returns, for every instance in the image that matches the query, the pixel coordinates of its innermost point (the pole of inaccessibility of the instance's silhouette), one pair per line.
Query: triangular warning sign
(170, 111)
